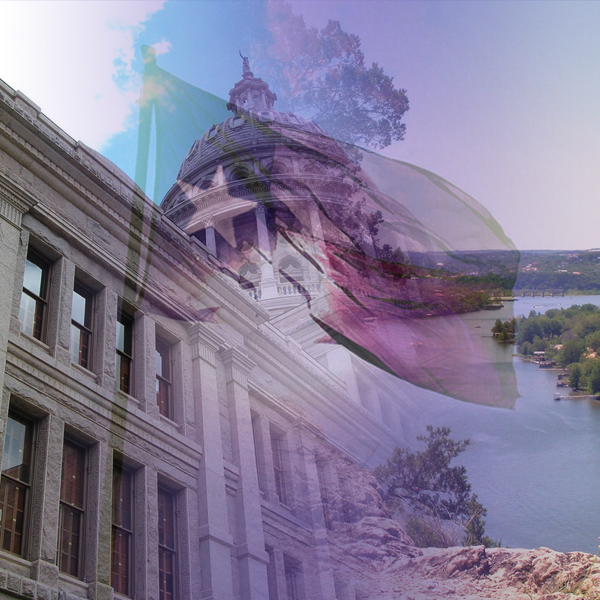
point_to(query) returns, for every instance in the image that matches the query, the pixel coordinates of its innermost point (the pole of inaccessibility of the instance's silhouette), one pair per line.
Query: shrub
(437, 489)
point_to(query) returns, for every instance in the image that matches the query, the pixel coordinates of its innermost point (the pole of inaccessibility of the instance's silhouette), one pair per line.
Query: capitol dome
(255, 132)
(242, 172)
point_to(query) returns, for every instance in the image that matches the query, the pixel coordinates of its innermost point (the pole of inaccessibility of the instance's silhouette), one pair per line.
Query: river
(536, 468)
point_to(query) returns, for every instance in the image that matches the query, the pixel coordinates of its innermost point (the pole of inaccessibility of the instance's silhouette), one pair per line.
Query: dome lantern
(250, 93)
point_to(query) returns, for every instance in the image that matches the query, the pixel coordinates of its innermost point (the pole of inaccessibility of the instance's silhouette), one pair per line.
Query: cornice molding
(144, 213)
(307, 433)
(238, 366)
(14, 201)
(205, 344)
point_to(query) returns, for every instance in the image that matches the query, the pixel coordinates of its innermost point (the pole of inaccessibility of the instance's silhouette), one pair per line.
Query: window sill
(170, 422)
(284, 512)
(35, 342)
(126, 399)
(18, 564)
(72, 584)
(85, 371)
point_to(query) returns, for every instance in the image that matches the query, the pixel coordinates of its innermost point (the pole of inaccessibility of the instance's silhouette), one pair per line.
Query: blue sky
(503, 95)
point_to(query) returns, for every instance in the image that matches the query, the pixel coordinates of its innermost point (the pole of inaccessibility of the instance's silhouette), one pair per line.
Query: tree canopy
(569, 337)
(322, 75)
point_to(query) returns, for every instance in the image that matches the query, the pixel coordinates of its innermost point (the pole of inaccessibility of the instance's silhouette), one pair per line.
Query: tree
(575, 377)
(571, 352)
(529, 329)
(498, 328)
(427, 479)
(593, 340)
(526, 349)
(322, 75)
(504, 331)
(595, 378)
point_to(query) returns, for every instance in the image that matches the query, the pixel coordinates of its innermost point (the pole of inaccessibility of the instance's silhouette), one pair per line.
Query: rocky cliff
(361, 525)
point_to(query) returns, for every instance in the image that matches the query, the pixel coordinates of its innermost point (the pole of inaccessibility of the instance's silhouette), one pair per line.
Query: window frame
(279, 466)
(293, 573)
(165, 550)
(32, 434)
(41, 301)
(129, 533)
(126, 319)
(271, 573)
(88, 327)
(65, 505)
(324, 492)
(161, 380)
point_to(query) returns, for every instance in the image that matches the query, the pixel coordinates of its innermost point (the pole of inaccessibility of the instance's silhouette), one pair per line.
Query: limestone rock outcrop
(397, 570)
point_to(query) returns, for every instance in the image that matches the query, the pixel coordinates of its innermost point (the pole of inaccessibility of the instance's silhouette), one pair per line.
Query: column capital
(14, 201)
(237, 365)
(306, 432)
(205, 343)
(260, 208)
(208, 221)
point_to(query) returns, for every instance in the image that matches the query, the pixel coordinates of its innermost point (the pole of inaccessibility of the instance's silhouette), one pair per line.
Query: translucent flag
(393, 245)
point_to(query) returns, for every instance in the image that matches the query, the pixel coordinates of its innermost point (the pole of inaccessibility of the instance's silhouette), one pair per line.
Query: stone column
(339, 362)
(145, 535)
(322, 584)
(211, 240)
(215, 539)
(98, 555)
(45, 512)
(107, 340)
(263, 432)
(59, 318)
(250, 549)
(149, 575)
(14, 203)
(279, 571)
(268, 284)
(144, 363)
(317, 233)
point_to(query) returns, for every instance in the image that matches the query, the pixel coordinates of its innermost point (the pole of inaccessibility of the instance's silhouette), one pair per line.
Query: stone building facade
(152, 447)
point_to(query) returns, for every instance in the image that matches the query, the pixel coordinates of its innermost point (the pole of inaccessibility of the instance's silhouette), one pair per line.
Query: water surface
(536, 468)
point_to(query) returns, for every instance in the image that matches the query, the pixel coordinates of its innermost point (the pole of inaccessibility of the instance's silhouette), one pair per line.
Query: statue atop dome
(246, 72)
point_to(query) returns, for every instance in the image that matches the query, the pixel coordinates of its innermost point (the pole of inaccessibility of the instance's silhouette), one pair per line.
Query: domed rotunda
(254, 189)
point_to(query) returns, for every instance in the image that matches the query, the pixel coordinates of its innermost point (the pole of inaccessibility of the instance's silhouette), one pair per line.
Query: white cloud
(162, 47)
(74, 60)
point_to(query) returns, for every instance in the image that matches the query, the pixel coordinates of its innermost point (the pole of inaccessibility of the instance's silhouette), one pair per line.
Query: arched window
(249, 276)
(290, 268)
(240, 173)
(279, 167)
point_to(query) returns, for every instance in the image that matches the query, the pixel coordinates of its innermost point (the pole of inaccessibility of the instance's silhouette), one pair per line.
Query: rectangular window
(15, 486)
(122, 530)
(125, 352)
(324, 493)
(81, 326)
(72, 509)
(292, 578)
(164, 389)
(34, 297)
(278, 467)
(167, 545)
(271, 573)
(255, 421)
